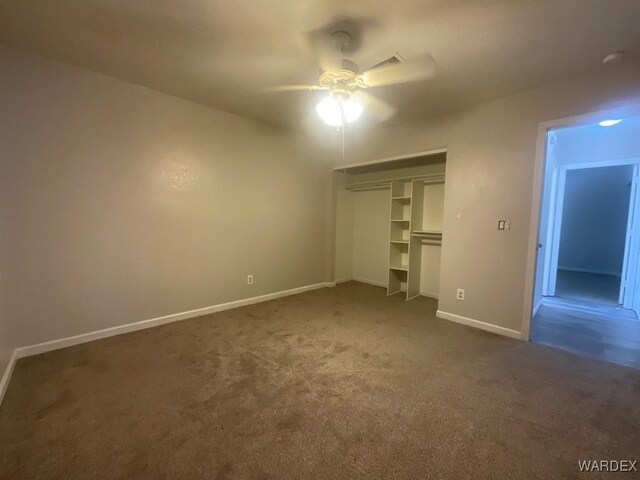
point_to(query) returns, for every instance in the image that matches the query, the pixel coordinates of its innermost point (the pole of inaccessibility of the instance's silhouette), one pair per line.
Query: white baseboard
(507, 332)
(375, 283)
(589, 270)
(536, 308)
(6, 377)
(154, 322)
(343, 280)
(430, 295)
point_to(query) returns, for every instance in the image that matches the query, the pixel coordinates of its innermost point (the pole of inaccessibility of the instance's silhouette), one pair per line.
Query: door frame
(556, 211)
(632, 109)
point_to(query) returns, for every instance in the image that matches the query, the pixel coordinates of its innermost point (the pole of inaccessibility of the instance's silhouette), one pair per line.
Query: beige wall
(490, 171)
(6, 343)
(6, 348)
(122, 204)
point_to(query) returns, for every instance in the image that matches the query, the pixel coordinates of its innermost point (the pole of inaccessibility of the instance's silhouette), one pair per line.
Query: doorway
(586, 297)
(593, 231)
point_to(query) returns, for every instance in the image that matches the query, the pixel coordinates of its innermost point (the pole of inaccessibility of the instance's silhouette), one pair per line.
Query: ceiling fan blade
(409, 71)
(291, 88)
(378, 109)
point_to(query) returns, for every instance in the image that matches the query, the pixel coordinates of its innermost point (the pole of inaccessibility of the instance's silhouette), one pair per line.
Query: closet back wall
(371, 236)
(121, 204)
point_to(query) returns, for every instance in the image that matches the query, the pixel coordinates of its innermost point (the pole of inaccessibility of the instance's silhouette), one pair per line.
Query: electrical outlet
(504, 225)
(460, 294)
(249, 279)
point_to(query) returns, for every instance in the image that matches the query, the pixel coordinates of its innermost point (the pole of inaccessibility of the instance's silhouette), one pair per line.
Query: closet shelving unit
(414, 220)
(406, 234)
(405, 203)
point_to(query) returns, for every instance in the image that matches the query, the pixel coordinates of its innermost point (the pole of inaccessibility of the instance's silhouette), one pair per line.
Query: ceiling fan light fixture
(335, 112)
(352, 110)
(330, 111)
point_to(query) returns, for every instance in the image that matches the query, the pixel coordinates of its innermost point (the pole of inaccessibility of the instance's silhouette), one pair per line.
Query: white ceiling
(219, 52)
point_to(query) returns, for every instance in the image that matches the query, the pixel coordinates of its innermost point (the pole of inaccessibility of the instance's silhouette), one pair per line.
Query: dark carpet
(341, 383)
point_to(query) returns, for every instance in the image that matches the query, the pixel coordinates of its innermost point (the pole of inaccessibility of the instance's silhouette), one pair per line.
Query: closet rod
(368, 186)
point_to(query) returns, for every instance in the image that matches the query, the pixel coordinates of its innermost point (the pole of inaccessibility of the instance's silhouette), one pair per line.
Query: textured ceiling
(219, 52)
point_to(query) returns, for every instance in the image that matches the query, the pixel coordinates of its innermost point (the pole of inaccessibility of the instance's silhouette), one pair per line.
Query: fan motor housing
(339, 78)
(345, 79)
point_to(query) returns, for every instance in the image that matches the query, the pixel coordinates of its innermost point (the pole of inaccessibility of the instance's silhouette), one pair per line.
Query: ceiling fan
(344, 82)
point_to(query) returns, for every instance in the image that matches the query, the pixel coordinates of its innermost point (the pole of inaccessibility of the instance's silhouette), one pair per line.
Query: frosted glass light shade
(332, 111)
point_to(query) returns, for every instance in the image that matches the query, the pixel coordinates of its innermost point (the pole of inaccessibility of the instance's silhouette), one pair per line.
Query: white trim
(470, 322)
(154, 322)
(343, 280)
(620, 162)
(6, 377)
(426, 153)
(537, 307)
(430, 294)
(375, 283)
(589, 270)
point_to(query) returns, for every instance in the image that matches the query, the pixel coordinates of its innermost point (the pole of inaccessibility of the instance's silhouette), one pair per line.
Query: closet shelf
(408, 199)
(424, 233)
(400, 220)
(400, 241)
(402, 268)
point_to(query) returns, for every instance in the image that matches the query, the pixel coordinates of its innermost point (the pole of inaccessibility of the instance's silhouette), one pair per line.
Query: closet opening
(389, 228)
(587, 289)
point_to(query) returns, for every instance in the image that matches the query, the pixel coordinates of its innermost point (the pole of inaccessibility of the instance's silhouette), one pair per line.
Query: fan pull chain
(343, 160)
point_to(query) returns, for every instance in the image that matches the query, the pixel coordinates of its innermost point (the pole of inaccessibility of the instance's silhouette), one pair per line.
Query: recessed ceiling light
(613, 58)
(609, 123)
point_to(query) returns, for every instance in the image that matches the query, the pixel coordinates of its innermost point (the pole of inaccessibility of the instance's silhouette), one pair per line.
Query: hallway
(609, 333)
(589, 287)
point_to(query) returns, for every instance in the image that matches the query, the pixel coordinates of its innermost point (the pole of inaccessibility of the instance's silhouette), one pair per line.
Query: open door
(630, 281)
(554, 231)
